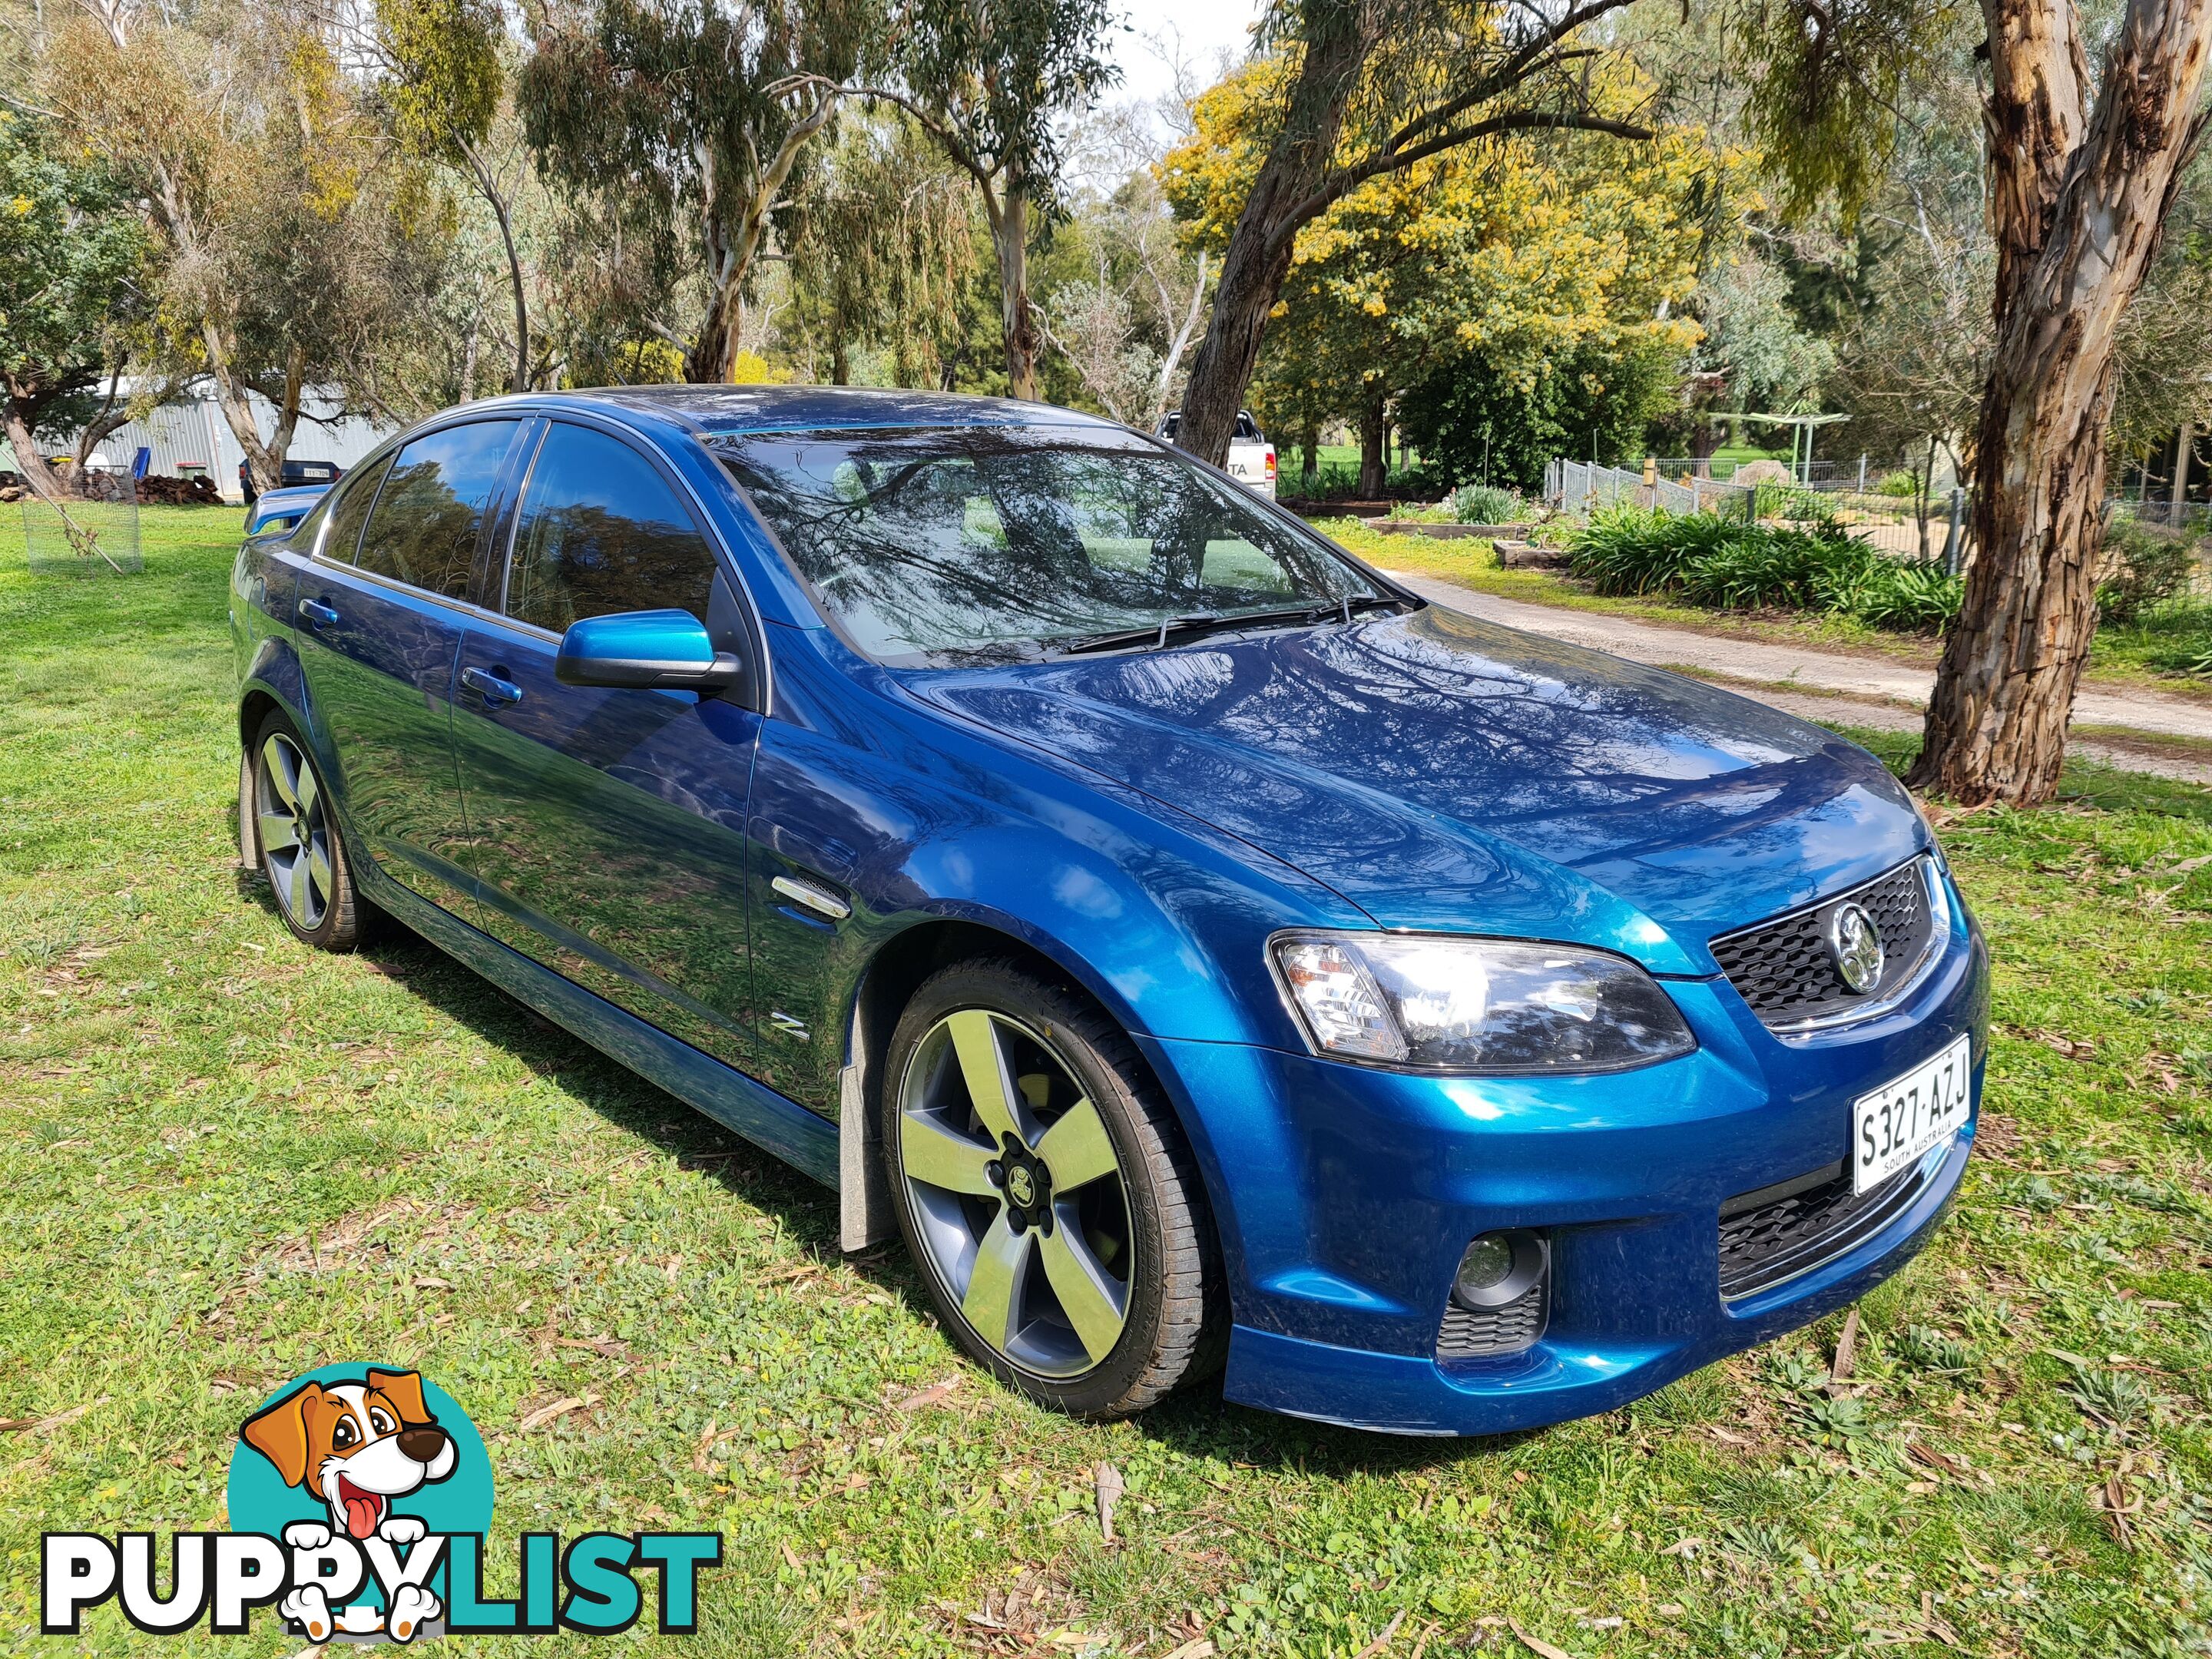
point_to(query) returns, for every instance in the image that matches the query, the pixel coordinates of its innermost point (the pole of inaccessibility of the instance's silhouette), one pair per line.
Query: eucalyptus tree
(882, 239)
(681, 123)
(987, 79)
(256, 168)
(2083, 162)
(441, 80)
(1375, 87)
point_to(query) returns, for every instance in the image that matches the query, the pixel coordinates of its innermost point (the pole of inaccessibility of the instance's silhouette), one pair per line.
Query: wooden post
(2184, 440)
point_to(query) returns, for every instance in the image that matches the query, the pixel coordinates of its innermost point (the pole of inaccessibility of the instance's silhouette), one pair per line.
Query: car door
(607, 827)
(379, 623)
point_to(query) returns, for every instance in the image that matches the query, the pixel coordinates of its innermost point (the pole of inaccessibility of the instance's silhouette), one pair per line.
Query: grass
(2133, 655)
(228, 1159)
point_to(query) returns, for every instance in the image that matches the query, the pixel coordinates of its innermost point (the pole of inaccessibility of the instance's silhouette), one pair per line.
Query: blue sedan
(1204, 954)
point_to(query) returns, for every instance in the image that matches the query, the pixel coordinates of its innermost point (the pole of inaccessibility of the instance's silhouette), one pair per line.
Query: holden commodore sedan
(1204, 954)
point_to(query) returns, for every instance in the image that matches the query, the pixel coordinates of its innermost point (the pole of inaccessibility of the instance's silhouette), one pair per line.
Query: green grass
(2119, 656)
(228, 1159)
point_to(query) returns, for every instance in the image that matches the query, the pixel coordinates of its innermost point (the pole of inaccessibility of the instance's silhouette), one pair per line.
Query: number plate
(1894, 1126)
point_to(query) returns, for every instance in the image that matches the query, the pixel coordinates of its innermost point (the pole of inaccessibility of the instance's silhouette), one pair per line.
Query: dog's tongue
(361, 1515)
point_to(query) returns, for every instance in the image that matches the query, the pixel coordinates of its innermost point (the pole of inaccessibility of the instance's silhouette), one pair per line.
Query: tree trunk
(712, 356)
(1308, 453)
(1374, 431)
(1010, 238)
(42, 479)
(265, 461)
(490, 187)
(1259, 254)
(111, 416)
(2076, 206)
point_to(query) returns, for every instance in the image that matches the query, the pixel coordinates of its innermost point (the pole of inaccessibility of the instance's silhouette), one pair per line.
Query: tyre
(297, 844)
(1046, 1193)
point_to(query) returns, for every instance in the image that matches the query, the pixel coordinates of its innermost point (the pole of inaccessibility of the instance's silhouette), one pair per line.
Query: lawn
(228, 1159)
(2119, 656)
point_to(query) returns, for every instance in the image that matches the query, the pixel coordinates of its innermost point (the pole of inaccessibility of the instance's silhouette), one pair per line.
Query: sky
(1202, 28)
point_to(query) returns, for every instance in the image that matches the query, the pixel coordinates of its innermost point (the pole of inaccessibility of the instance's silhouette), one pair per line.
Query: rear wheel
(296, 839)
(1047, 1192)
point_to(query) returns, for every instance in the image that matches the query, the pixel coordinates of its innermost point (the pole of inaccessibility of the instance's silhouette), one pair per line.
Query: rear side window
(351, 510)
(601, 531)
(431, 511)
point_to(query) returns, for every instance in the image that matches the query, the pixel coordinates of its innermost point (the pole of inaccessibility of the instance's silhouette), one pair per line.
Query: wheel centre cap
(1021, 1185)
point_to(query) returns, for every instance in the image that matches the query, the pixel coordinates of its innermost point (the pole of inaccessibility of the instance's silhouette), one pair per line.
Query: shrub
(1486, 504)
(1729, 565)
(1908, 598)
(2147, 568)
(1898, 483)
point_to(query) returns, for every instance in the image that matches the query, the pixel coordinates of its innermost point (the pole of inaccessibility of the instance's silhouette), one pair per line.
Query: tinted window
(432, 508)
(601, 531)
(353, 501)
(1001, 542)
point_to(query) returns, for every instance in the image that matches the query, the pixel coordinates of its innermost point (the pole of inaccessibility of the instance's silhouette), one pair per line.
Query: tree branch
(1347, 180)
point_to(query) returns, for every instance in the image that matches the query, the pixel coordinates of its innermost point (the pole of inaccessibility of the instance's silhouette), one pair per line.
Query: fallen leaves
(1536, 1644)
(1384, 1640)
(935, 1393)
(1110, 1487)
(46, 1425)
(1943, 1463)
(1846, 1353)
(559, 1408)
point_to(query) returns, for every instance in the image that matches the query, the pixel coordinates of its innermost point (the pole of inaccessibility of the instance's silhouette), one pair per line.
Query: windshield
(999, 544)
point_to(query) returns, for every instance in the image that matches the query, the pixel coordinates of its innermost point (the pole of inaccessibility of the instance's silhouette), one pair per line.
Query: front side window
(602, 531)
(349, 511)
(997, 544)
(431, 510)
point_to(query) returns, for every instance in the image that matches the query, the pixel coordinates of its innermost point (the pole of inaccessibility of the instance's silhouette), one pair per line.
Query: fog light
(1498, 1268)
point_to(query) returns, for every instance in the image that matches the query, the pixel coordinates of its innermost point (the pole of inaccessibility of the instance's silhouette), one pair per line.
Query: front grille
(1470, 1333)
(1784, 970)
(1792, 1227)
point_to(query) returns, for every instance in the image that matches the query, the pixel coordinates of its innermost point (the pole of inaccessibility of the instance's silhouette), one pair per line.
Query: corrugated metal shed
(192, 432)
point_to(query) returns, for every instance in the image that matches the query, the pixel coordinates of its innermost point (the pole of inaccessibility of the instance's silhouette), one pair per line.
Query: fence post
(1862, 461)
(1951, 549)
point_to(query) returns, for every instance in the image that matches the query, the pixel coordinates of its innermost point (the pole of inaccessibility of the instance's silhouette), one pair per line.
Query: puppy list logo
(363, 1496)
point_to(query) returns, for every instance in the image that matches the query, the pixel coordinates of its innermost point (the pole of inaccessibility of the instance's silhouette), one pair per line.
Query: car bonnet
(1443, 773)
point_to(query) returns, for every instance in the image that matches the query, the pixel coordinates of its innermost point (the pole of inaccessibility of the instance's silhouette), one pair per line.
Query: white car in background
(1251, 458)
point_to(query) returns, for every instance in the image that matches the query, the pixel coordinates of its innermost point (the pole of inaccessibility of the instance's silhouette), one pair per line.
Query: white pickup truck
(1251, 458)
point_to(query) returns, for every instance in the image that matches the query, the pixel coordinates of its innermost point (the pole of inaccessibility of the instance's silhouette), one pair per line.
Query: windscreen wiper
(1213, 622)
(1190, 627)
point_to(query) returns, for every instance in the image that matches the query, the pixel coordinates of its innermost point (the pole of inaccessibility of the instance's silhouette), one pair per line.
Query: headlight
(1476, 1005)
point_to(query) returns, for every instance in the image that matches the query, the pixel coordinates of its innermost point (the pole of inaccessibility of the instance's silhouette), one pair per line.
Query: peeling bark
(2078, 198)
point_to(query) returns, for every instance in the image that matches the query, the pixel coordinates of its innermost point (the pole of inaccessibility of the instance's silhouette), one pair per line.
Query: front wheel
(297, 843)
(1047, 1193)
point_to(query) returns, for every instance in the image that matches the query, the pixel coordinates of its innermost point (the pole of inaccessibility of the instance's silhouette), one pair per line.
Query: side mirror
(645, 650)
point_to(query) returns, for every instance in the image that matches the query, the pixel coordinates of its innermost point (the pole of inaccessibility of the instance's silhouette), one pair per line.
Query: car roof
(712, 409)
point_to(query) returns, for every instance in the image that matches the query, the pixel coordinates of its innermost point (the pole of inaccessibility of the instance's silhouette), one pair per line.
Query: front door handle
(317, 614)
(491, 685)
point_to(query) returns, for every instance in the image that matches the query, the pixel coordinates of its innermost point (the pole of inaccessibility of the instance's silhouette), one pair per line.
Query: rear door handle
(317, 614)
(490, 686)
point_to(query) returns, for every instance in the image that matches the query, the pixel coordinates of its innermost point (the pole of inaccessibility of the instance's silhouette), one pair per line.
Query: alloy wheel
(294, 824)
(1017, 1192)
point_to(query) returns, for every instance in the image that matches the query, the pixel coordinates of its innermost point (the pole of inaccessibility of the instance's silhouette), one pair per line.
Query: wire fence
(1584, 487)
(1928, 529)
(95, 535)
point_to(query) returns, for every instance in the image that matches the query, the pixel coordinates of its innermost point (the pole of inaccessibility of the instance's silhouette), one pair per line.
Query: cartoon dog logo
(357, 1446)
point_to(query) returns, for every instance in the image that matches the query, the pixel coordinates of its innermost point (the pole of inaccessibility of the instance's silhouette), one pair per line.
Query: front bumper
(1345, 1196)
